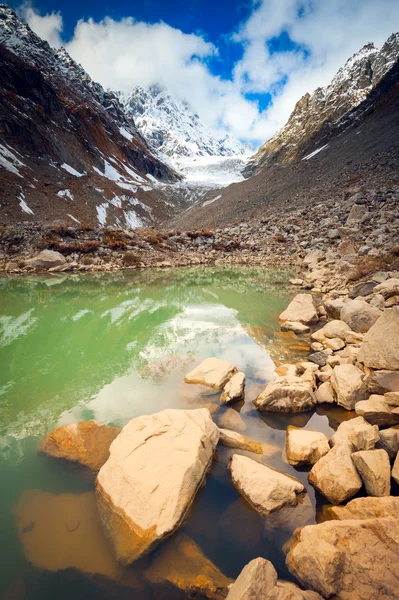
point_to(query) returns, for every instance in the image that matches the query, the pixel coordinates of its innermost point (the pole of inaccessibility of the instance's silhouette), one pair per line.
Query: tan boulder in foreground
(301, 309)
(86, 443)
(365, 508)
(181, 564)
(335, 475)
(347, 382)
(304, 447)
(212, 372)
(358, 432)
(266, 489)
(155, 468)
(46, 259)
(286, 394)
(374, 469)
(380, 348)
(258, 581)
(349, 560)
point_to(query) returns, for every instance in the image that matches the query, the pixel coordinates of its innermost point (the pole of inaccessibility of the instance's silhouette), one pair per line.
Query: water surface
(117, 346)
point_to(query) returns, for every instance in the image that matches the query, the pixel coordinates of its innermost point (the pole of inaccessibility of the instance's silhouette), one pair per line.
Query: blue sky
(241, 65)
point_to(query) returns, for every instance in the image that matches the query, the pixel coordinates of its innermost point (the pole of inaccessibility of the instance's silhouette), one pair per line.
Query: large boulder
(266, 489)
(301, 309)
(258, 581)
(212, 372)
(156, 466)
(86, 443)
(234, 390)
(358, 432)
(304, 447)
(335, 475)
(374, 469)
(359, 315)
(380, 349)
(364, 508)
(46, 259)
(180, 567)
(389, 441)
(286, 394)
(377, 411)
(349, 560)
(347, 382)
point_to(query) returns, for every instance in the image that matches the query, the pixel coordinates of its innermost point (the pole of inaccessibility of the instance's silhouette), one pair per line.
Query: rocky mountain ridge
(325, 108)
(173, 128)
(67, 148)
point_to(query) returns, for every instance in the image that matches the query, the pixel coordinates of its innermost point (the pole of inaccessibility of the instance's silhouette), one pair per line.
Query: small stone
(319, 358)
(374, 468)
(296, 327)
(336, 329)
(335, 344)
(304, 447)
(266, 489)
(301, 309)
(234, 390)
(325, 393)
(232, 439)
(392, 398)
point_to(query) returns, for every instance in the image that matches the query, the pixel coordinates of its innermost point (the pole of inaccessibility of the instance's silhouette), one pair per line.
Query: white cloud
(48, 27)
(123, 54)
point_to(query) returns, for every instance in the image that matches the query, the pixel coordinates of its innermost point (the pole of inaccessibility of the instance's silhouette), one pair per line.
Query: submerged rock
(181, 566)
(232, 439)
(374, 469)
(231, 419)
(380, 348)
(266, 489)
(335, 475)
(305, 447)
(212, 372)
(234, 390)
(294, 326)
(358, 432)
(258, 581)
(349, 560)
(155, 468)
(86, 443)
(301, 309)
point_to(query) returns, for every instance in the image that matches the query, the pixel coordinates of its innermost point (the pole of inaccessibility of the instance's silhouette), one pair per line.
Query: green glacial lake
(114, 347)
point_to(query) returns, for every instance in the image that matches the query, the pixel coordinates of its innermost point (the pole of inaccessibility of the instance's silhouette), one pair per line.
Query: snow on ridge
(65, 194)
(312, 154)
(71, 170)
(73, 218)
(9, 161)
(125, 133)
(211, 201)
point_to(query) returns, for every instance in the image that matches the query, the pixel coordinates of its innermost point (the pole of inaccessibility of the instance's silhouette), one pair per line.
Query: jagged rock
(212, 372)
(325, 393)
(359, 315)
(355, 559)
(389, 441)
(357, 212)
(304, 447)
(351, 337)
(336, 329)
(392, 398)
(319, 358)
(258, 581)
(380, 349)
(388, 288)
(294, 326)
(364, 508)
(374, 469)
(86, 443)
(181, 565)
(335, 475)
(333, 307)
(395, 469)
(286, 394)
(301, 309)
(334, 344)
(362, 289)
(46, 259)
(377, 411)
(232, 439)
(380, 382)
(266, 489)
(347, 382)
(234, 390)
(156, 466)
(358, 432)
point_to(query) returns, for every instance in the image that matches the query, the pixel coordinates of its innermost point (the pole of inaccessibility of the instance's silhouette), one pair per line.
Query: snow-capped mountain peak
(173, 128)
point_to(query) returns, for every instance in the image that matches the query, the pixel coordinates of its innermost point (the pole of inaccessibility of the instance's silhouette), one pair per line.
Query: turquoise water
(117, 346)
